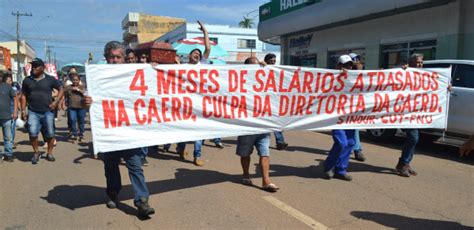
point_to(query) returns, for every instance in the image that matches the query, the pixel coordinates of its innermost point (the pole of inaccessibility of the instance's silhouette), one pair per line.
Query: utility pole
(48, 53)
(18, 15)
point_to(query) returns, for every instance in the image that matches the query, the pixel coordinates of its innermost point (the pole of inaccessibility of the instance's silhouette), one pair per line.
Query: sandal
(246, 181)
(270, 187)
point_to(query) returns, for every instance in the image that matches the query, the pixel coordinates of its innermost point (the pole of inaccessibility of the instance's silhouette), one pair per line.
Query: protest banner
(137, 105)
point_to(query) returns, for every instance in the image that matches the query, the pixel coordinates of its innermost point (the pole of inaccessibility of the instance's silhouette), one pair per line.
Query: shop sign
(301, 41)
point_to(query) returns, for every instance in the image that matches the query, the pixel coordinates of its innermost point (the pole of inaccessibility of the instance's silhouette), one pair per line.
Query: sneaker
(9, 158)
(50, 157)
(282, 146)
(402, 170)
(219, 145)
(35, 159)
(412, 171)
(359, 156)
(345, 177)
(73, 138)
(198, 162)
(113, 200)
(144, 209)
(144, 162)
(328, 174)
(81, 139)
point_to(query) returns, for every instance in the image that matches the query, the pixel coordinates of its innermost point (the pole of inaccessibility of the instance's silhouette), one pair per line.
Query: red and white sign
(136, 105)
(50, 69)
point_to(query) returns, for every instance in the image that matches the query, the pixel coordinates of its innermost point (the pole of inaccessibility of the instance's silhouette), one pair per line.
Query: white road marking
(295, 213)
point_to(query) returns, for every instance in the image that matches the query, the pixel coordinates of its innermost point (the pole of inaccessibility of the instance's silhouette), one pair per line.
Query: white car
(461, 104)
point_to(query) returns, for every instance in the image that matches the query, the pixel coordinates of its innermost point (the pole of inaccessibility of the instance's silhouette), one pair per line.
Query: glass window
(464, 76)
(246, 43)
(304, 61)
(395, 55)
(215, 40)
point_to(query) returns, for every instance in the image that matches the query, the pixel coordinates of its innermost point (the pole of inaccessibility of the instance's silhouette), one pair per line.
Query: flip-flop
(270, 187)
(246, 181)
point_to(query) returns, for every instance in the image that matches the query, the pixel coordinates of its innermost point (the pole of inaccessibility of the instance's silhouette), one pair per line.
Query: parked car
(461, 104)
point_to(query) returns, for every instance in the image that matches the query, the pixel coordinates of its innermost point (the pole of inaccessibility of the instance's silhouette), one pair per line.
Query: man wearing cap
(37, 92)
(337, 161)
(358, 155)
(114, 53)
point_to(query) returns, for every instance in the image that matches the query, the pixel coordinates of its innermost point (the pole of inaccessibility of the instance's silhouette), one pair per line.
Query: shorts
(37, 121)
(246, 143)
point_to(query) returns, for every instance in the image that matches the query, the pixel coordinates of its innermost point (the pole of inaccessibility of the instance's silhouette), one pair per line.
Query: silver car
(461, 105)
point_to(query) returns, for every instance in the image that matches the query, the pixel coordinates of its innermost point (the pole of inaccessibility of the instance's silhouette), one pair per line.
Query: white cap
(354, 55)
(343, 59)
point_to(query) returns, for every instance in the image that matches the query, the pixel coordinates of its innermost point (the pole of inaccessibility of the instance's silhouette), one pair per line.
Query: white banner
(136, 105)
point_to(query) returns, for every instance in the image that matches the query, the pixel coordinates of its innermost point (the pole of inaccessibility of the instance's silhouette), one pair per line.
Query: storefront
(385, 33)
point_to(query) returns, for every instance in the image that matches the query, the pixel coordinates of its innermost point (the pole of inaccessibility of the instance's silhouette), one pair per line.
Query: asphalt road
(69, 193)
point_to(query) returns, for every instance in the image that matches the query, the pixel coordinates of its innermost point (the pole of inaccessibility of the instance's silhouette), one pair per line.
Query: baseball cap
(343, 59)
(354, 56)
(36, 62)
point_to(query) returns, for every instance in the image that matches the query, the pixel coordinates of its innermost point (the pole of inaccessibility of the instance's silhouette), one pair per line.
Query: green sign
(279, 7)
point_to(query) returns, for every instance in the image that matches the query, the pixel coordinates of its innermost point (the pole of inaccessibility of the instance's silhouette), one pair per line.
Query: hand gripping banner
(137, 105)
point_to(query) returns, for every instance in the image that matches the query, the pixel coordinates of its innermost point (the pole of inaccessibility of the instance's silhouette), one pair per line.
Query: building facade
(315, 32)
(27, 53)
(240, 43)
(140, 28)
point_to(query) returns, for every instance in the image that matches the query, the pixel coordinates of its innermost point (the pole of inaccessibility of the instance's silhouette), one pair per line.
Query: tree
(246, 23)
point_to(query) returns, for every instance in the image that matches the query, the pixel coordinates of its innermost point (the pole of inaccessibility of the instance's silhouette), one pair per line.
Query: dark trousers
(409, 146)
(133, 160)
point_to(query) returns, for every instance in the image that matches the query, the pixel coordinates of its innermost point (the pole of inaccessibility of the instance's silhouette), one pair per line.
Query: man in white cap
(337, 161)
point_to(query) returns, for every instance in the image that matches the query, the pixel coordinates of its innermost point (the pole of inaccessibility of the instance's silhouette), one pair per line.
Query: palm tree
(246, 23)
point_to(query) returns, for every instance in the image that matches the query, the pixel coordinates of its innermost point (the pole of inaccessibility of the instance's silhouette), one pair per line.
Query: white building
(385, 33)
(240, 43)
(27, 53)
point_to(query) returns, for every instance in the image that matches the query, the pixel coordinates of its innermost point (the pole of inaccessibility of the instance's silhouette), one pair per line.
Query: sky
(76, 27)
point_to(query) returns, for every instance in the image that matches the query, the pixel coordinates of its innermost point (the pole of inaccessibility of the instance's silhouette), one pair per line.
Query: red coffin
(159, 52)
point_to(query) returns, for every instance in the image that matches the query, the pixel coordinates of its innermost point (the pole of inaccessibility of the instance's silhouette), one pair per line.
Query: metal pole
(17, 14)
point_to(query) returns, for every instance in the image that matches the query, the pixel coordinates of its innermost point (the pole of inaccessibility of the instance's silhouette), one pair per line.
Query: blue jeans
(409, 146)
(133, 161)
(246, 143)
(7, 137)
(144, 151)
(39, 121)
(13, 130)
(357, 147)
(279, 139)
(338, 158)
(77, 116)
(197, 148)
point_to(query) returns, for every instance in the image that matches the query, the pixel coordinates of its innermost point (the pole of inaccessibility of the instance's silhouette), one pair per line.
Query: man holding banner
(114, 52)
(337, 161)
(412, 135)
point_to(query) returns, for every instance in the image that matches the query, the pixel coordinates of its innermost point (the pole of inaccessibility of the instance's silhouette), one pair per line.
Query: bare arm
(15, 107)
(207, 43)
(23, 106)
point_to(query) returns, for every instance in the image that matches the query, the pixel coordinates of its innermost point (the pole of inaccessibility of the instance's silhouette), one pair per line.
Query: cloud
(229, 12)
